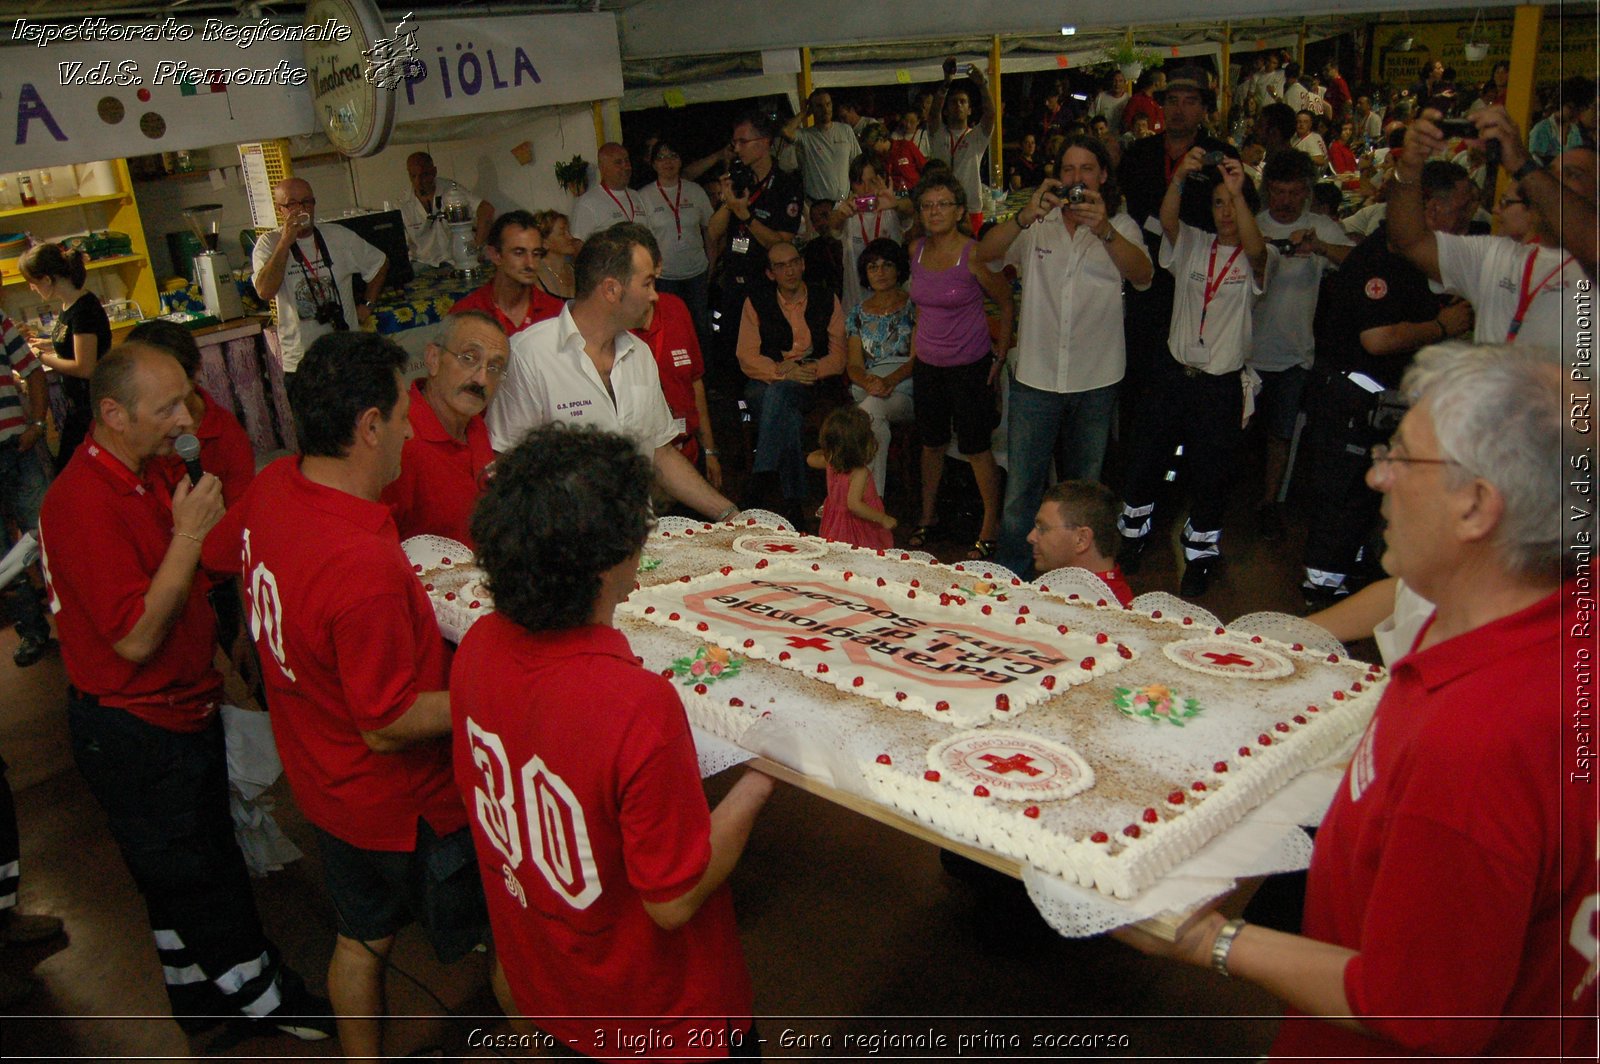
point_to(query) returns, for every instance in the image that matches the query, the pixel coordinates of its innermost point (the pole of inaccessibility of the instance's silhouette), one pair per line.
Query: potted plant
(1131, 59)
(574, 175)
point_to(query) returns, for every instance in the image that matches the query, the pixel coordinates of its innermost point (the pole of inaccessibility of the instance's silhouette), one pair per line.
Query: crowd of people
(1165, 276)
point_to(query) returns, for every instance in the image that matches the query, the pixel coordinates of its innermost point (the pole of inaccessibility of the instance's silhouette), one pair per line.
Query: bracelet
(187, 535)
(1444, 334)
(709, 453)
(1020, 226)
(1526, 168)
(724, 515)
(1111, 234)
(1222, 945)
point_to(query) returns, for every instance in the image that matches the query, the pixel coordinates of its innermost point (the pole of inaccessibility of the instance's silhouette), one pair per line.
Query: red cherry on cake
(1264, 739)
(1298, 719)
(649, 610)
(1313, 709)
(1255, 639)
(1220, 766)
(699, 688)
(1219, 630)
(816, 568)
(1175, 798)
(762, 564)
(904, 556)
(444, 561)
(1197, 786)
(1048, 683)
(883, 759)
(1132, 831)
(783, 655)
(702, 627)
(1124, 651)
(474, 604)
(1022, 620)
(932, 775)
(683, 579)
(427, 587)
(673, 617)
(667, 673)
(736, 702)
(1102, 638)
(1099, 836)
(1087, 664)
(748, 643)
(1188, 620)
(1297, 646)
(1155, 614)
(1032, 811)
(980, 791)
(987, 609)
(822, 666)
(416, 568)
(1022, 609)
(1244, 751)
(1099, 602)
(916, 583)
(449, 596)
(1061, 628)
(848, 574)
(857, 682)
(899, 696)
(881, 580)
(1338, 696)
(1356, 686)
(1002, 703)
(1282, 727)
(725, 570)
(942, 706)
(1151, 816)
(1334, 658)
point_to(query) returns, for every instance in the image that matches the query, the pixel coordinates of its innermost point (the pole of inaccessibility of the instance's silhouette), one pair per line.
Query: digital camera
(1077, 193)
(330, 313)
(743, 178)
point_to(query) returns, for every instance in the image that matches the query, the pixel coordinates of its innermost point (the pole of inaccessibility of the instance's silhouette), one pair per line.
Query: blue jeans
(22, 485)
(1073, 429)
(779, 410)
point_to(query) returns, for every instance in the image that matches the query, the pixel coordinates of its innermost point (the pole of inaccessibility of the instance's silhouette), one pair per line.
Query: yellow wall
(1567, 47)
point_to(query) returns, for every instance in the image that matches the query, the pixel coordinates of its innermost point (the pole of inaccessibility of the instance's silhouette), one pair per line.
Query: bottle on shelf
(25, 190)
(47, 191)
(8, 196)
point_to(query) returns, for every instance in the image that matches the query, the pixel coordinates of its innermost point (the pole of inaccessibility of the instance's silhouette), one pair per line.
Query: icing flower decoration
(709, 664)
(1156, 703)
(648, 563)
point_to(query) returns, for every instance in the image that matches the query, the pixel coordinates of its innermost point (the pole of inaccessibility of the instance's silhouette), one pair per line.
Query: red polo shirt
(586, 809)
(541, 305)
(672, 340)
(225, 451)
(440, 477)
(103, 534)
(348, 641)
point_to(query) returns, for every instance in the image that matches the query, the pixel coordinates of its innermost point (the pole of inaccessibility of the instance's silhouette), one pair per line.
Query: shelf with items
(117, 210)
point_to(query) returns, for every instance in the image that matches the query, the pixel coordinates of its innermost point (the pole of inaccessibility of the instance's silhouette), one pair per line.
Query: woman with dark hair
(1073, 248)
(560, 248)
(878, 345)
(870, 212)
(1197, 396)
(1493, 92)
(82, 333)
(678, 212)
(956, 364)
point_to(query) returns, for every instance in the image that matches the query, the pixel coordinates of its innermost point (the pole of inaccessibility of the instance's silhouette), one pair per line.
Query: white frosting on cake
(1230, 658)
(780, 546)
(1009, 765)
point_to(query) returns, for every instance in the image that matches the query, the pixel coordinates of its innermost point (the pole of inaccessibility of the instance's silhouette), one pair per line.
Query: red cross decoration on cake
(798, 642)
(1219, 656)
(779, 544)
(1011, 766)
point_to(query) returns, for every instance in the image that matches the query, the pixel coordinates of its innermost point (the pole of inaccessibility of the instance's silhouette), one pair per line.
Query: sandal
(920, 535)
(982, 550)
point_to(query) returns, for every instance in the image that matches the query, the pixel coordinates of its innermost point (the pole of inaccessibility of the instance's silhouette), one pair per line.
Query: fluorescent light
(1068, 31)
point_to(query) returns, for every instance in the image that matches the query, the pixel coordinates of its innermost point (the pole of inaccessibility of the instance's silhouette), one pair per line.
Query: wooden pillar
(805, 79)
(1519, 90)
(1300, 49)
(996, 159)
(1225, 80)
(599, 125)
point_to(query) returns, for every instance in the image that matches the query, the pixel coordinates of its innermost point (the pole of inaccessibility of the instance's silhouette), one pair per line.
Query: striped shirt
(20, 364)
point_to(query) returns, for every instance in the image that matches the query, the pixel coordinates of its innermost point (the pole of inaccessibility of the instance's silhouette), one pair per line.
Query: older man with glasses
(442, 465)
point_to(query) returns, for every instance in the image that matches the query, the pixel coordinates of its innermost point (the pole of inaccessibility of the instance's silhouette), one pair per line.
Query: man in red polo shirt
(671, 336)
(355, 673)
(441, 467)
(607, 872)
(1450, 907)
(119, 552)
(516, 247)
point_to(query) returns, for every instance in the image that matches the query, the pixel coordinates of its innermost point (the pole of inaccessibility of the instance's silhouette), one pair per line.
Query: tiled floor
(846, 923)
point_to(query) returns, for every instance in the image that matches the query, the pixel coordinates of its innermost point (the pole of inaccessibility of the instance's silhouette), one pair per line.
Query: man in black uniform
(1376, 312)
(760, 207)
(1146, 170)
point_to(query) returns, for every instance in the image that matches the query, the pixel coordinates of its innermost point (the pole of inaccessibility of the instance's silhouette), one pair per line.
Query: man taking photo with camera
(309, 273)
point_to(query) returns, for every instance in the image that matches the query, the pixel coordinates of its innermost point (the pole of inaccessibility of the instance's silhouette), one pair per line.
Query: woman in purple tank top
(955, 370)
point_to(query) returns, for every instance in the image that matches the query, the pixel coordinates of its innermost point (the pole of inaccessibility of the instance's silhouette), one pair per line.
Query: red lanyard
(1526, 297)
(955, 145)
(1213, 284)
(676, 205)
(629, 210)
(759, 190)
(127, 477)
(877, 227)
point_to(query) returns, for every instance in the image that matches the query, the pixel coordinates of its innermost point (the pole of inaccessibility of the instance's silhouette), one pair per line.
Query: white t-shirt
(1364, 222)
(427, 235)
(859, 231)
(964, 153)
(1370, 127)
(1282, 321)
(1112, 107)
(1227, 316)
(551, 377)
(678, 217)
(1488, 272)
(825, 153)
(1070, 336)
(602, 207)
(1313, 145)
(1298, 97)
(302, 289)
(1269, 87)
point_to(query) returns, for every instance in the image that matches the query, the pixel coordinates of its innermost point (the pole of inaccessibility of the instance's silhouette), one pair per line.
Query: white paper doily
(1074, 580)
(1173, 606)
(429, 551)
(715, 754)
(1286, 628)
(765, 518)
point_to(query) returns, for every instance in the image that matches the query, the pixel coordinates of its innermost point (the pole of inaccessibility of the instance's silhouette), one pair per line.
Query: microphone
(188, 448)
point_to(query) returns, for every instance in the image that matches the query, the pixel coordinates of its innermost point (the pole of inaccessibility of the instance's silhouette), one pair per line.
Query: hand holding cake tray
(1098, 747)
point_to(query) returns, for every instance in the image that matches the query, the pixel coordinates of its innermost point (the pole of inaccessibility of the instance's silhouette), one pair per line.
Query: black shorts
(377, 892)
(958, 395)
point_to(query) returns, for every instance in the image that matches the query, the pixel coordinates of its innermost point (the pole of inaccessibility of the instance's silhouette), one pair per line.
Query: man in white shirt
(1269, 83)
(960, 129)
(1282, 345)
(586, 368)
(826, 148)
(427, 235)
(1295, 94)
(611, 201)
(308, 272)
(1519, 294)
(1072, 259)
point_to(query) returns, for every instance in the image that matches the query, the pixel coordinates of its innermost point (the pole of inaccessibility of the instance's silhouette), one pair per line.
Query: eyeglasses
(787, 264)
(312, 202)
(1383, 453)
(472, 360)
(938, 205)
(665, 155)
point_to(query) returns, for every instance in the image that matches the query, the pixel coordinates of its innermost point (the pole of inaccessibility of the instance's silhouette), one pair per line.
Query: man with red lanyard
(760, 207)
(961, 127)
(1521, 294)
(516, 247)
(443, 463)
(355, 671)
(671, 336)
(1450, 905)
(611, 201)
(120, 553)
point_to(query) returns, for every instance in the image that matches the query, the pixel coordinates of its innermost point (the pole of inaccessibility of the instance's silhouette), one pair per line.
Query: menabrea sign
(77, 102)
(474, 66)
(355, 114)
